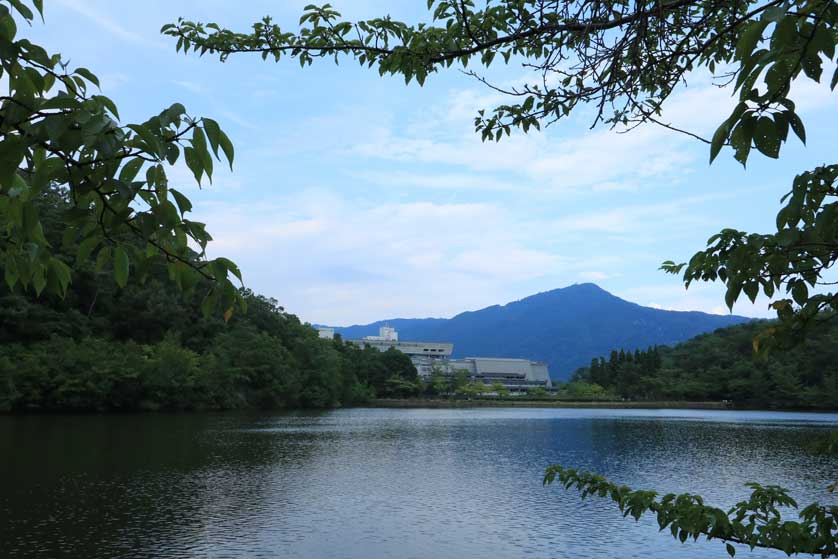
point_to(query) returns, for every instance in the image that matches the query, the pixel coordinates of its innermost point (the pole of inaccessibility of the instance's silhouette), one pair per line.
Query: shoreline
(427, 403)
(441, 403)
(648, 405)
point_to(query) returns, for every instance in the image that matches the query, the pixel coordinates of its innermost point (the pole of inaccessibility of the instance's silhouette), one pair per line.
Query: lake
(376, 483)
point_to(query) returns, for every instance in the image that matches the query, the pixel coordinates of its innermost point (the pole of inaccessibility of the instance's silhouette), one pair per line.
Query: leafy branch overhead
(755, 522)
(58, 131)
(624, 58)
(791, 261)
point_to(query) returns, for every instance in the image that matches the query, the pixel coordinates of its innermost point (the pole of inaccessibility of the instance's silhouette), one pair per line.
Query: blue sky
(355, 198)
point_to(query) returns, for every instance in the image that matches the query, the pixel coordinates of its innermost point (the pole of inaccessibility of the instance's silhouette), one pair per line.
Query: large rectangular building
(517, 375)
(423, 354)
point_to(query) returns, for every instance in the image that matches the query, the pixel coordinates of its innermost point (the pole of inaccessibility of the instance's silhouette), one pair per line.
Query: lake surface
(376, 483)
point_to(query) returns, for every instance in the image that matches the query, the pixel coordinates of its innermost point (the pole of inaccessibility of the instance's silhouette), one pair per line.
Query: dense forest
(723, 366)
(147, 346)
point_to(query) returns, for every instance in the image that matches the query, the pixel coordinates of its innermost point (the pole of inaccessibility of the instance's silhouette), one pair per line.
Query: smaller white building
(423, 354)
(326, 333)
(385, 334)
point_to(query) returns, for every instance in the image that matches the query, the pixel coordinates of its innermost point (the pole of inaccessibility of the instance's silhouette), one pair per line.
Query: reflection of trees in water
(174, 485)
(87, 486)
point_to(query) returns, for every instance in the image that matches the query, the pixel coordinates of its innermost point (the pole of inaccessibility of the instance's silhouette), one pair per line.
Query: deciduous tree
(58, 130)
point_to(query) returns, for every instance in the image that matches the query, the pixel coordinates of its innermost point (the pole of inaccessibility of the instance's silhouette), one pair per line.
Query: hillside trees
(722, 366)
(146, 346)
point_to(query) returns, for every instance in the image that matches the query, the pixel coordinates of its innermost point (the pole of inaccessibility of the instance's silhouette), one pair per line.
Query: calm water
(366, 483)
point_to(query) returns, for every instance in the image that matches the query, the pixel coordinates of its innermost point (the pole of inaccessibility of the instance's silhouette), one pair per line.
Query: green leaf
(797, 126)
(59, 273)
(730, 550)
(751, 290)
(22, 9)
(226, 147)
(193, 161)
(749, 38)
(800, 293)
(12, 151)
(86, 248)
(741, 138)
(199, 143)
(88, 75)
(153, 144)
(129, 170)
(766, 138)
(213, 132)
(182, 201)
(107, 103)
(120, 266)
(39, 280)
(103, 258)
(732, 294)
(10, 272)
(231, 267)
(719, 139)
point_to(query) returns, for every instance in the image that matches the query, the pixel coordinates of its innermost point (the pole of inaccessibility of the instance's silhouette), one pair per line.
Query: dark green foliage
(271, 361)
(56, 130)
(723, 366)
(756, 522)
(145, 346)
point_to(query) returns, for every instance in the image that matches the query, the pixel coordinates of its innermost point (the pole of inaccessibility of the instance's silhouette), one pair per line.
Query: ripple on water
(380, 483)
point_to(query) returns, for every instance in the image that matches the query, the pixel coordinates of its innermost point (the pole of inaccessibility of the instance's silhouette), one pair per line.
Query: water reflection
(379, 483)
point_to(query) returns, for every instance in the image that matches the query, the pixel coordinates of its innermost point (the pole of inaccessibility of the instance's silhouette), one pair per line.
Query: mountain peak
(564, 327)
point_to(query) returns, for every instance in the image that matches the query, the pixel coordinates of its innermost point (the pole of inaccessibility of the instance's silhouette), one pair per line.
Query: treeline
(723, 366)
(148, 346)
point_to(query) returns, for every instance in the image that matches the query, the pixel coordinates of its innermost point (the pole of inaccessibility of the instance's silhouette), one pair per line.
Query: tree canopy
(722, 366)
(624, 58)
(57, 130)
(146, 346)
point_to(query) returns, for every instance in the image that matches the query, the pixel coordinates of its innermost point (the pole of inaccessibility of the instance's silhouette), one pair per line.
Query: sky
(355, 198)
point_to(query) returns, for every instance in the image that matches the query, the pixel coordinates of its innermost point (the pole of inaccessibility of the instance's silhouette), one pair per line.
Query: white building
(423, 354)
(385, 334)
(518, 375)
(326, 333)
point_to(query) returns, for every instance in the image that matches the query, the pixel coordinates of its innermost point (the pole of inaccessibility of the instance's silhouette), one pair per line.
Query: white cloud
(546, 161)
(703, 297)
(194, 87)
(337, 260)
(593, 276)
(110, 25)
(456, 181)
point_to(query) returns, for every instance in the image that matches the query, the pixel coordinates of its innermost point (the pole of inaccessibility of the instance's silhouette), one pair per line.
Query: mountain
(565, 327)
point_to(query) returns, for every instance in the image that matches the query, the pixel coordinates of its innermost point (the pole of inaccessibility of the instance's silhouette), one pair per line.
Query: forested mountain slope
(723, 366)
(563, 327)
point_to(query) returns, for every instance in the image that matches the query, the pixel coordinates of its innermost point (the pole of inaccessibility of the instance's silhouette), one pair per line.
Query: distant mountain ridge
(564, 327)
